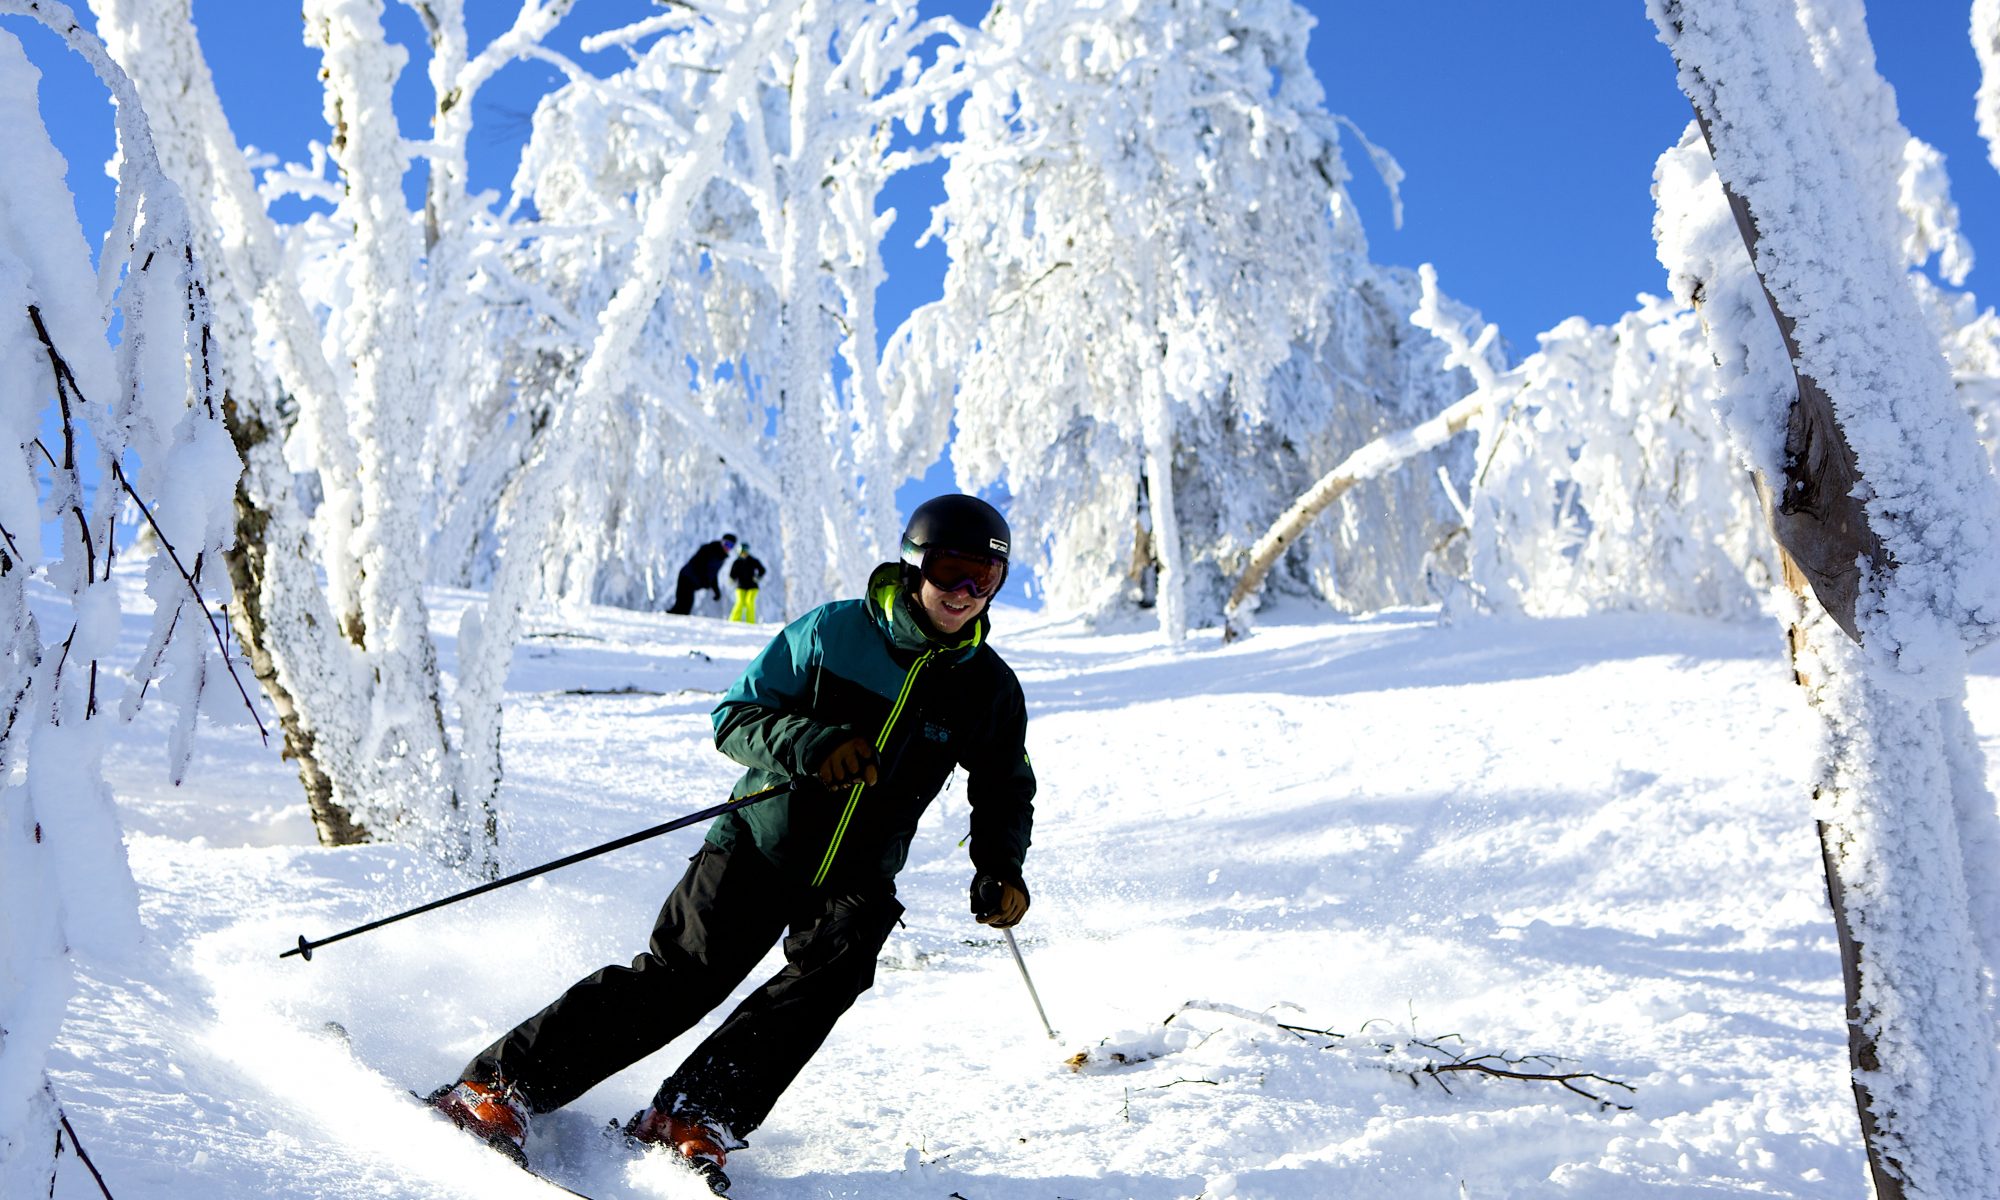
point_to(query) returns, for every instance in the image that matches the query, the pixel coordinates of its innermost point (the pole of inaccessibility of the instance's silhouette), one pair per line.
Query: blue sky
(1528, 132)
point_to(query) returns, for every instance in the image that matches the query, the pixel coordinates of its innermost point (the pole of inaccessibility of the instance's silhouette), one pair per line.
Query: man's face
(950, 611)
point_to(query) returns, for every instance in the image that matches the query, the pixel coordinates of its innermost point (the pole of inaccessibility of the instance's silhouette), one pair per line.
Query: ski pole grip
(987, 895)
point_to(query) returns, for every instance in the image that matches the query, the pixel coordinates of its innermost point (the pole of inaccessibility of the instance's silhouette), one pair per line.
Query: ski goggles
(955, 570)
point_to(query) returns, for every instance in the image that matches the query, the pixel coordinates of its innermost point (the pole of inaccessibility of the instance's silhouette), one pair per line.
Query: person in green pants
(747, 573)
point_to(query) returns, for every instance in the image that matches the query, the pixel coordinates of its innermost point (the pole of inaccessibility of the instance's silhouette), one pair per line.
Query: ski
(552, 1183)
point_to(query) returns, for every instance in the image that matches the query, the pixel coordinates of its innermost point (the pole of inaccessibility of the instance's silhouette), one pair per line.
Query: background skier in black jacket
(700, 571)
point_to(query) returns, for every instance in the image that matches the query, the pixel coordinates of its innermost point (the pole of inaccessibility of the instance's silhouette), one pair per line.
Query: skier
(746, 573)
(868, 705)
(699, 571)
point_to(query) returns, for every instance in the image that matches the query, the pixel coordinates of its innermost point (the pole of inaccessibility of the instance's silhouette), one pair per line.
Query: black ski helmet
(963, 523)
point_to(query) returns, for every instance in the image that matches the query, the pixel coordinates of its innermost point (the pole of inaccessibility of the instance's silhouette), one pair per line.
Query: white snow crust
(1584, 837)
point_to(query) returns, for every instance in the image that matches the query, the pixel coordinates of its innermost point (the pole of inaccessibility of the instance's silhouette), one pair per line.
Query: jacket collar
(894, 612)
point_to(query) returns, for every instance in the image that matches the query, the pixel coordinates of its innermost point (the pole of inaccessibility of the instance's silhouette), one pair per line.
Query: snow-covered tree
(1145, 217)
(1887, 510)
(327, 577)
(1604, 480)
(107, 398)
(1986, 45)
(327, 383)
(755, 391)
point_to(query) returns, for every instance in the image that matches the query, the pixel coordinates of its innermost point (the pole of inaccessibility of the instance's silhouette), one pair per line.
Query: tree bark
(1817, 518)
(1823, 536)
(248, 561)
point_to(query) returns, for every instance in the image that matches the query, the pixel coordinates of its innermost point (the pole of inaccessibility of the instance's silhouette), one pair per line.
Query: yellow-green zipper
(881, 741)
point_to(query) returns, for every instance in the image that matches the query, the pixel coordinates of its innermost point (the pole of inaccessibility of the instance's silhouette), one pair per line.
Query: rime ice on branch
(135, 419)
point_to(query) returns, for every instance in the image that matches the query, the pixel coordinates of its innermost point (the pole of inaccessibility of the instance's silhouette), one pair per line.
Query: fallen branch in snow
(77, 1144)
(1504, 1066)
(626, 690)
(1414, 1058)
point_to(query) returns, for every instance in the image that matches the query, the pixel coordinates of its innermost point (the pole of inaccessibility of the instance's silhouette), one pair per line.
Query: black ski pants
(718, 921)
(685, 586)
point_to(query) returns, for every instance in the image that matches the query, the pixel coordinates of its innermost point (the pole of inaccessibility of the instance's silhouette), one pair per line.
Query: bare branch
(66, 385)
(1433, 1059)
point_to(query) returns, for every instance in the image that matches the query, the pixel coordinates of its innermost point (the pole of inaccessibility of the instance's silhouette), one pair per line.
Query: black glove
(998, 902)
(853, 761)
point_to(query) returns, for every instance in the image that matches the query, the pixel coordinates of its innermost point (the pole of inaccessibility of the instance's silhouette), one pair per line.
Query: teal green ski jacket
(868, 667)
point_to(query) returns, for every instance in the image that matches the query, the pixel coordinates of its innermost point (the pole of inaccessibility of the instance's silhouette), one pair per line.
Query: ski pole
(1022, 963)
(305, 948)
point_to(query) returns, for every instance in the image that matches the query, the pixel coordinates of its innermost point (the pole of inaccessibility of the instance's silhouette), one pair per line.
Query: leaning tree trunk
(1899, 814)
(1385, 453)
(1823, 538)
(1371, 461)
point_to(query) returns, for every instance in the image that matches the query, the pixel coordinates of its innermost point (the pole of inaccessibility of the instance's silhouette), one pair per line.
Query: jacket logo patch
(936, 733)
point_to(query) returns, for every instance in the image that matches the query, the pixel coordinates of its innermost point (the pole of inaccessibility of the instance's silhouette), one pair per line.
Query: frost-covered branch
(145, 398)
(66, 388)
(1372, 461)
(1415, 1058)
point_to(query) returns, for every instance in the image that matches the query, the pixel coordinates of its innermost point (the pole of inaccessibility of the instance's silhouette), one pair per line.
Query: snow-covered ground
(1586, 839)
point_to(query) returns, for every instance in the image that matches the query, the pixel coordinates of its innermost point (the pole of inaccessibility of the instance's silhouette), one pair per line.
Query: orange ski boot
(699, 1144)
(491, 1112)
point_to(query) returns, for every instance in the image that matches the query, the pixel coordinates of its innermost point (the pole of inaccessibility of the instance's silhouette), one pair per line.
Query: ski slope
(1587, 839)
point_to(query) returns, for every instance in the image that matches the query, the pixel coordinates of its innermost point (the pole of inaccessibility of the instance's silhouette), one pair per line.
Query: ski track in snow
(1587, 838)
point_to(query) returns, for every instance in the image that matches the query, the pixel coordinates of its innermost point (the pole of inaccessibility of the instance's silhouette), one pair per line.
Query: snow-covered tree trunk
(806, 444)
(1888, 509)
(859, 276)
(324, 613)
(284, 619)
(1157, 437)
(330, 604)
(389, 394)
(143, 420)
